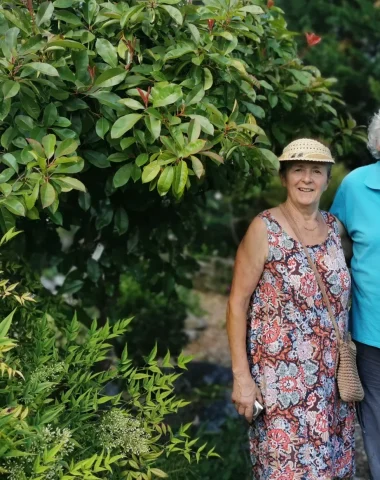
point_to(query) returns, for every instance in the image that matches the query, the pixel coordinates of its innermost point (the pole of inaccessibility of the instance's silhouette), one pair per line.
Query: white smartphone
(257, 410)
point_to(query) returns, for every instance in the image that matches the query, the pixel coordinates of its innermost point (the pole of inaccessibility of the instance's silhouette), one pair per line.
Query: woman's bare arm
(249, 265)
(346, 241)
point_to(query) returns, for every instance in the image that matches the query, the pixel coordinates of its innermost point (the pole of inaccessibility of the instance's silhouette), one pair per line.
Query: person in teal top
(357, 206)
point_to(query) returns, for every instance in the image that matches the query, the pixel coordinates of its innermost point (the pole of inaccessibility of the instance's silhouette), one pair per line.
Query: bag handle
(312, 265)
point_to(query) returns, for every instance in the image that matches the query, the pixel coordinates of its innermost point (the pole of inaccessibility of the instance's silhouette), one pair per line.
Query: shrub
(61, 416)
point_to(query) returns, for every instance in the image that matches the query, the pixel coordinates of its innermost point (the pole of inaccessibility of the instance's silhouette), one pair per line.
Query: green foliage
(62, 413)
(349, 51)
(234, 462)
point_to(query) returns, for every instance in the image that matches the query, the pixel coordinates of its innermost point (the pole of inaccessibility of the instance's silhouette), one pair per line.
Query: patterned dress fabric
(306, 431)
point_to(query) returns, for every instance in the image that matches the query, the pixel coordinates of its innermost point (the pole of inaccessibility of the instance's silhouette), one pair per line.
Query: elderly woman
(357, 206)
(282, 339)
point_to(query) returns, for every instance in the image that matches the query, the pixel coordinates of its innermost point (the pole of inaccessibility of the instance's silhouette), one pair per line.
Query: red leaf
(312, 39)
(210, 25)
(270, 3)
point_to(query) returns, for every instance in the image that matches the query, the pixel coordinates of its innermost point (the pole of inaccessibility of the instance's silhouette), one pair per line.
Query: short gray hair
(374, 136)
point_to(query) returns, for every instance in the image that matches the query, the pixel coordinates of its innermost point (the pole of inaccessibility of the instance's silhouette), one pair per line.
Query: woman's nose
(307, 177)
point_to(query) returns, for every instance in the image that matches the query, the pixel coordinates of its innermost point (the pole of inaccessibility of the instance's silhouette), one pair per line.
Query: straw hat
(306, 150)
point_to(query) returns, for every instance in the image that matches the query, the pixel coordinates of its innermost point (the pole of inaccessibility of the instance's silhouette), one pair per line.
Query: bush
(61, 416)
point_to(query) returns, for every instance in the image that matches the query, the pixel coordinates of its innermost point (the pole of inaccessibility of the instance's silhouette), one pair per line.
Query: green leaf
(66, 147)
(252, 127)
(132, 104)
(254, 9)
(6, 324)
(273, 99)
(44, 68)
(180, 178)
(6, 174)
(50, 115)
(214, 156)
(107, 51)
(10, 89)
(44, 13)
(14, 206)
(5, 108)
(165, 181)
(165, 94)
(150, 172)
(84, 200)
(102, 127)
(193, 147)
(17, 21)
(110, 77)
(31, 199)
(123, 124)
(197, 166)
(37, 147)
(174, 13)
(303, 77)
(68, 17)
(122, 176)
(159, 473)
(70, 182)
(48, 142)
(154, 126)
(97, 159)
(10, 161)
(194, 33)
(63, 3)
(194, 130)
(208, 79)
(71, 44)
(121, 221)
(47, 194)
(179, 52)
(195, 96)
(127, 142)
(141, 159)
(25, 123)
(7, 137)
(271, 157)
(205, 124)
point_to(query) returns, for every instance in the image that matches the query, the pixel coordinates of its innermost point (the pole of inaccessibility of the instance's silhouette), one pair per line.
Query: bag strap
(312, 265)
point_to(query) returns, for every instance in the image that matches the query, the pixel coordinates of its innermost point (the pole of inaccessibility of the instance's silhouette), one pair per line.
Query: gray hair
(374, 136)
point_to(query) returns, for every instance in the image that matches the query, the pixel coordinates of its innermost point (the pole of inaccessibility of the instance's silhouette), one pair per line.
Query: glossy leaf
(124, 124)
(165, 181)
(47, 194)
(10, 89)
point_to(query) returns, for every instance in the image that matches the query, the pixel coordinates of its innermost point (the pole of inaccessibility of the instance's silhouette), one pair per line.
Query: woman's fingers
(259, 397)
(249, 413)
(241, 410)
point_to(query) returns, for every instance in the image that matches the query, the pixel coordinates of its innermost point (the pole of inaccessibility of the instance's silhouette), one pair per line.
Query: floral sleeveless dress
(305, 432)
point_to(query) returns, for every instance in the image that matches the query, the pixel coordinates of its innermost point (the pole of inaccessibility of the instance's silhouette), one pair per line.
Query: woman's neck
(306, 212)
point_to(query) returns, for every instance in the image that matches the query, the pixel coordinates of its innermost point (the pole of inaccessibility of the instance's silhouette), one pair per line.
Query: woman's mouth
(306, 190)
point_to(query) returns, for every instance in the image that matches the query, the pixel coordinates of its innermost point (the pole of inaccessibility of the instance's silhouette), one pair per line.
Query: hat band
(317, 157)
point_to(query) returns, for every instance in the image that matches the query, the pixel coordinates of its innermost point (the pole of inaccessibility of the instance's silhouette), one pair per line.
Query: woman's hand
(244, 394)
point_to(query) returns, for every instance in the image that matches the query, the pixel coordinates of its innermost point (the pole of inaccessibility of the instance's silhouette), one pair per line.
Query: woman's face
(305, 182)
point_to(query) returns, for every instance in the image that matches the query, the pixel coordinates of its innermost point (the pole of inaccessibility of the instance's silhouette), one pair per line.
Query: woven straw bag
(349, 385)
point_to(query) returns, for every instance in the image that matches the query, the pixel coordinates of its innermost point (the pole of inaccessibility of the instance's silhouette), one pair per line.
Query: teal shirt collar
(373, 179)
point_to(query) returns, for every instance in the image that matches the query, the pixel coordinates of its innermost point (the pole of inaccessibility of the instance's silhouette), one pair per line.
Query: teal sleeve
(339, 206)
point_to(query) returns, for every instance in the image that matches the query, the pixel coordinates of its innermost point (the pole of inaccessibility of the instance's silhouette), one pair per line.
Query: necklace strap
(312, 265)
